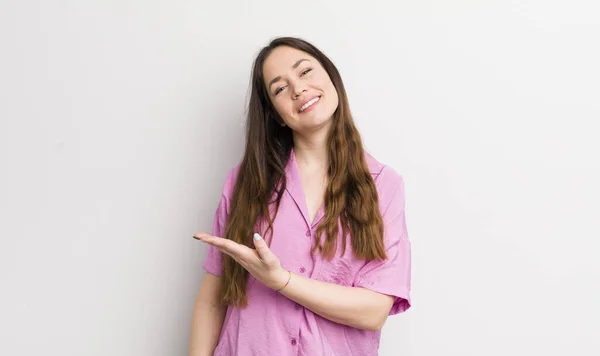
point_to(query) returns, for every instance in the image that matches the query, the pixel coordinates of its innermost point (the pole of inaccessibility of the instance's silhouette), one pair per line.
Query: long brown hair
(350, 196)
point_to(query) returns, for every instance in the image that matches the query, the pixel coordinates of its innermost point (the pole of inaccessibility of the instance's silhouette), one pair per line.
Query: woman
(309, 252)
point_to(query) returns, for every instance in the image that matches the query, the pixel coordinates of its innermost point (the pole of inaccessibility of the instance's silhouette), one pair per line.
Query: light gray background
(120, 119)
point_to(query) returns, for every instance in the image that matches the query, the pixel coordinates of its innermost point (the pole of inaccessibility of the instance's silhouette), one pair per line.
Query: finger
(215, 241)
(243, 258)
(200, 235)
(225, 252)
(263, 250)
(241, 253)
(212, 240)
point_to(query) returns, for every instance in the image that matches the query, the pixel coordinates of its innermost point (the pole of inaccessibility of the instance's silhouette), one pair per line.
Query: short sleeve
(214, 259)
(393, 275)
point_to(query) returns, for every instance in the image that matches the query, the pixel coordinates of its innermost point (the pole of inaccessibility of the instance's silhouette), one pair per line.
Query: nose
(299, 88)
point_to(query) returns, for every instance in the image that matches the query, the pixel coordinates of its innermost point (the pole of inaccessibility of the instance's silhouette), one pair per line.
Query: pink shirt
(272, 324)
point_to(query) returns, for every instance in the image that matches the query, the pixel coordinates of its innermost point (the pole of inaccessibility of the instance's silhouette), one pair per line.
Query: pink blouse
(272, 324)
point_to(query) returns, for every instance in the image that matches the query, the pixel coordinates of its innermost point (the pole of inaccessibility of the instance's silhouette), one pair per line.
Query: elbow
(374, 314)
(377, 316)
(374, 323)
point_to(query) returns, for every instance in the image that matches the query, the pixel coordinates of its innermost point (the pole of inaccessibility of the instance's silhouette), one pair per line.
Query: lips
(309, 103)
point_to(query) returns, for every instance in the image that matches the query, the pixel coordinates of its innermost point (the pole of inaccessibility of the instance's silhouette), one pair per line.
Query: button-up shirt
(272, 324)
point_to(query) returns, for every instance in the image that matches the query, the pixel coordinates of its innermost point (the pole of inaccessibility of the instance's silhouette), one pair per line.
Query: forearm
(207, 321)
(353, 306)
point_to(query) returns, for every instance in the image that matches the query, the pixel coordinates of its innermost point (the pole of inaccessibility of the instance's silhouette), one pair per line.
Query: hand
(260, 262)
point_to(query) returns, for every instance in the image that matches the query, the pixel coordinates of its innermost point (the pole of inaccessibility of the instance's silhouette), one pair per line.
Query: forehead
(281, 60)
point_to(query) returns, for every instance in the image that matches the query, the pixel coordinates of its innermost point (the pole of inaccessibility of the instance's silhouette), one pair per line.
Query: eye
(305, 72)
(278, 90)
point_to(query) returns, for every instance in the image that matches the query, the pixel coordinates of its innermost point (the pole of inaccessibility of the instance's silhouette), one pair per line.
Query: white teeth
(309, 104)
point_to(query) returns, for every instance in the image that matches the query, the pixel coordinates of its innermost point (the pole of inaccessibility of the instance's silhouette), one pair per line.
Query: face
(300, 89)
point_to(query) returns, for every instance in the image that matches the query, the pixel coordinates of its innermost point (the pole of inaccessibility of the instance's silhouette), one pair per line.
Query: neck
(311, 149)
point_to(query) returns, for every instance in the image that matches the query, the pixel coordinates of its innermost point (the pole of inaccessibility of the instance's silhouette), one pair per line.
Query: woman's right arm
(207, 318)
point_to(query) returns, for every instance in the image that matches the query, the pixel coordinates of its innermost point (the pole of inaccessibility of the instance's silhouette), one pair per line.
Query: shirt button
(297, 306)
(307, 232)
(294, 341)
(302, 269)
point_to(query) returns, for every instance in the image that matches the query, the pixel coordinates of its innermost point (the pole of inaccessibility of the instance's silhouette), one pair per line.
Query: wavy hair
(350, 199)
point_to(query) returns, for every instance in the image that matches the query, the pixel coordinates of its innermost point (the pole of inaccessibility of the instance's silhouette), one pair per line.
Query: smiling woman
(309, 251)
(295, 91)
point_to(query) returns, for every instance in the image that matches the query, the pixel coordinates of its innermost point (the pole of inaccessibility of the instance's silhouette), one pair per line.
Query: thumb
(261, 247)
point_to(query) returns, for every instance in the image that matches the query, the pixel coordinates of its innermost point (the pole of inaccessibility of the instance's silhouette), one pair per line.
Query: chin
(316, 123)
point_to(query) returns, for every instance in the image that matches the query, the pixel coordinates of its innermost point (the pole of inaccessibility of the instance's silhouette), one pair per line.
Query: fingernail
(256, 237)
(195, 237)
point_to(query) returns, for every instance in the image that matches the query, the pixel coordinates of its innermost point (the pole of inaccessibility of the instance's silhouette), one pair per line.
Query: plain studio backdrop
(120, 120)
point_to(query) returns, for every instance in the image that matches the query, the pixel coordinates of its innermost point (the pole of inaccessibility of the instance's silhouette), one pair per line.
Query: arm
(352, 306)
(381, 289)
(207, 318)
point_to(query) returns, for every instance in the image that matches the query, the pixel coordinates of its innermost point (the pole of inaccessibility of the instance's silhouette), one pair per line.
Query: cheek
(283, 108)
(333, 95)
(327, 85)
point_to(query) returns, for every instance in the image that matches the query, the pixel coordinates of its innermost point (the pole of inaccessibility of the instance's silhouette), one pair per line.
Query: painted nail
(256, 237)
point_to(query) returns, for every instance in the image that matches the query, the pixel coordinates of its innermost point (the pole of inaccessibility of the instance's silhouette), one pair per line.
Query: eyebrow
(293, 67)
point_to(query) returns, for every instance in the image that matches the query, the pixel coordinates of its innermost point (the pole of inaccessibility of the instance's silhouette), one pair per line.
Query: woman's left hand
(260, 262)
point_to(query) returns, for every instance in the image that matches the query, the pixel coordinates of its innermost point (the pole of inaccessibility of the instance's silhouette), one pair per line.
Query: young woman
(309, 250)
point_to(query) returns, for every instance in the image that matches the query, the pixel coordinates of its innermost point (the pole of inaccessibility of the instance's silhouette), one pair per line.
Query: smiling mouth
(310, 103)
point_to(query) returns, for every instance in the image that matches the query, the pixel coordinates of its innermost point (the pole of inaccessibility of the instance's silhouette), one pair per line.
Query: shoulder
(385, 176)
(230, 180)
(389, 183)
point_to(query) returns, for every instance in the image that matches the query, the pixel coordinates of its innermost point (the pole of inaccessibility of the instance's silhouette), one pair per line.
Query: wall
(120, 119)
